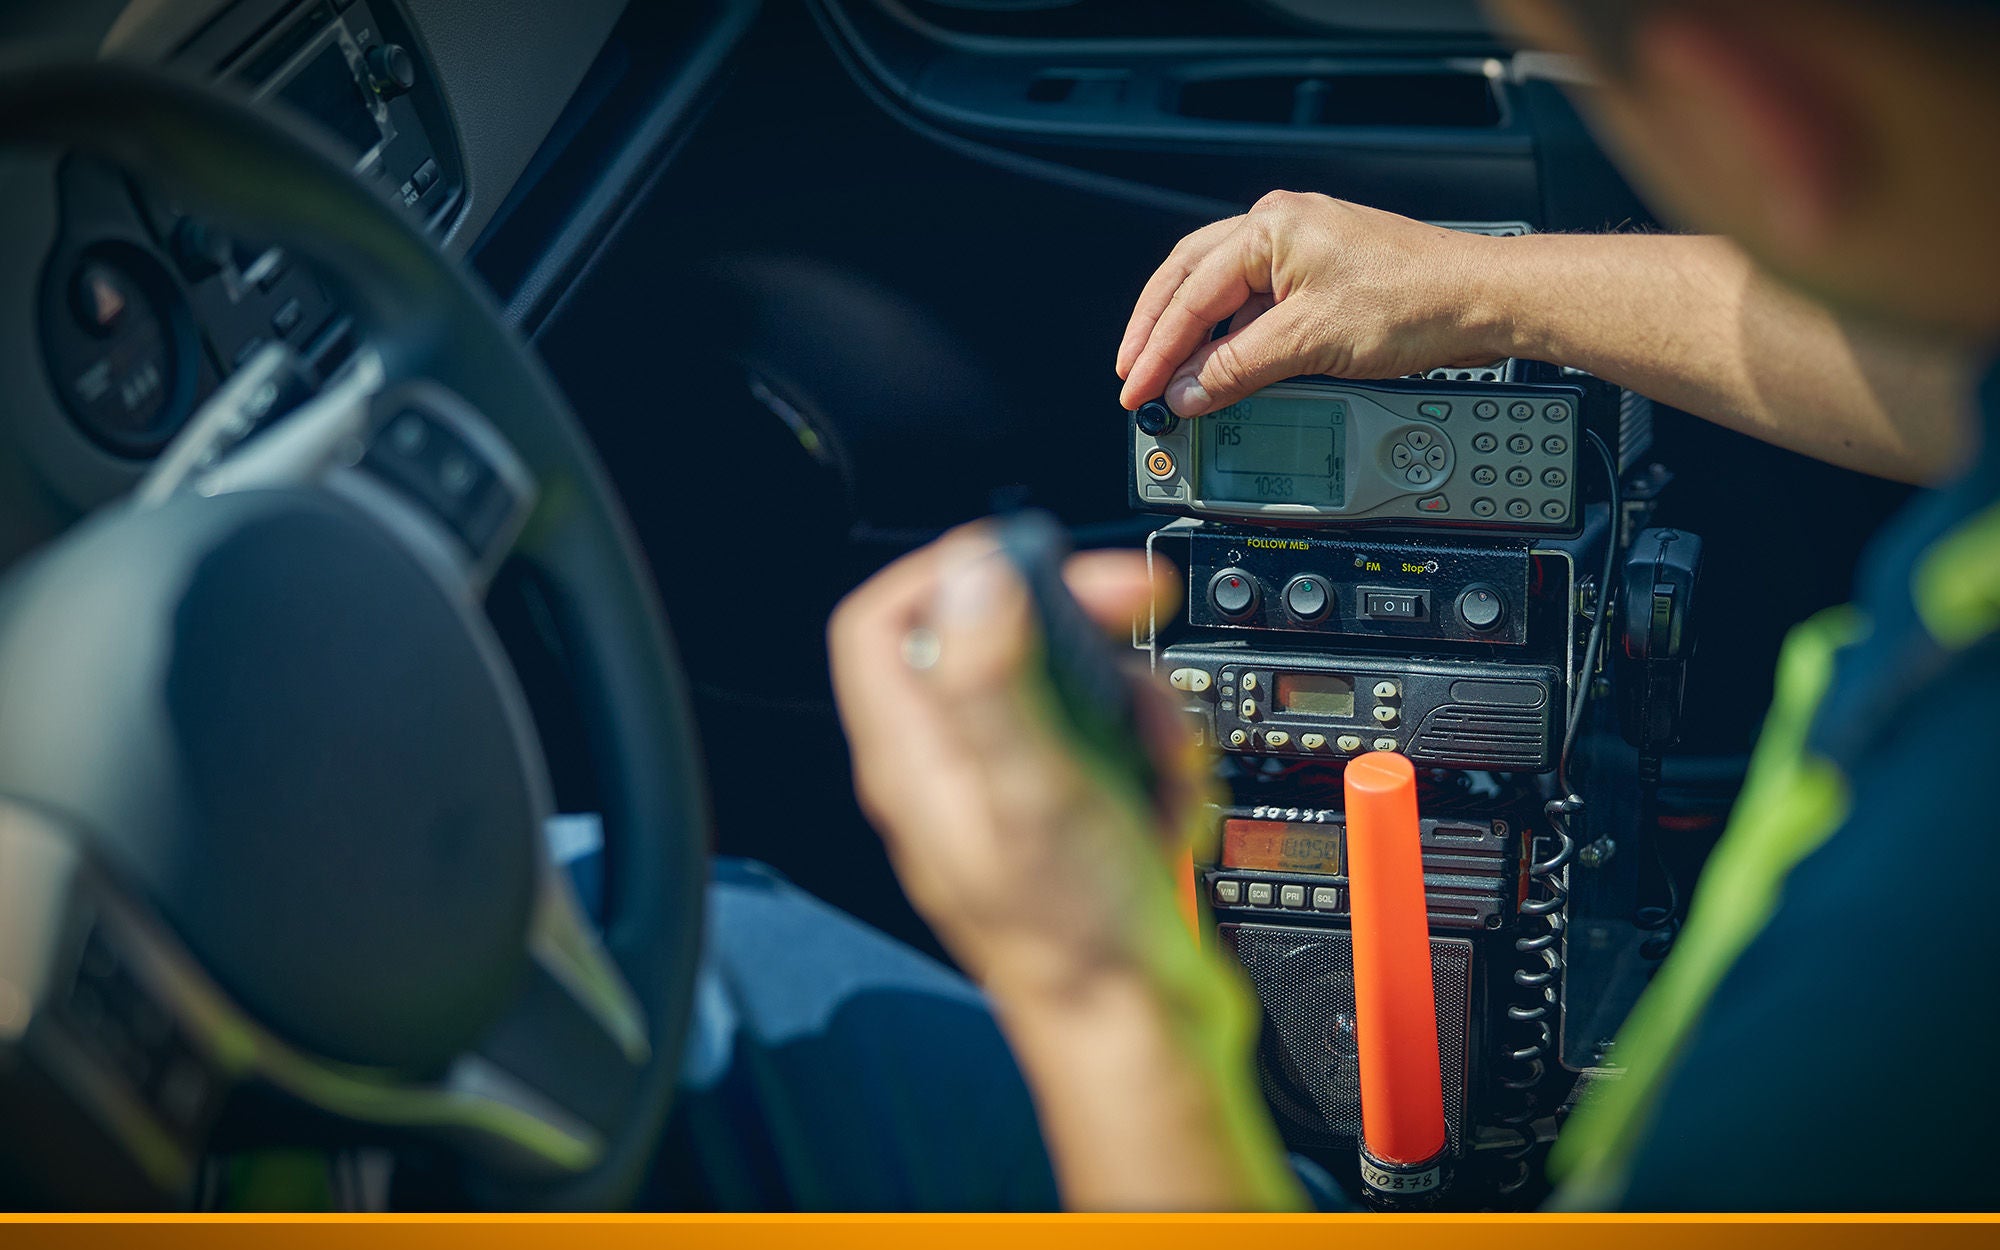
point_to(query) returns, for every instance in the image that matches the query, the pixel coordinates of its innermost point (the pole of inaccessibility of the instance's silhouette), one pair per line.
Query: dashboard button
(1277, 739)
(1385, 744)
(1291, 896)
(1486, 410)
(1481, 607)
(1259, 894)
(1192, 680)
(1520, 410)
(1233, 594)
(1434, 503)
(1228, 893)
(1435, 409)
(1348, 742)
(1308, 597)
(1160, 463)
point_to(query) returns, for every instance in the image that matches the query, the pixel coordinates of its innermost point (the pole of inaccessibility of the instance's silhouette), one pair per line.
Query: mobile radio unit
(1431, 567)
(1474, 456)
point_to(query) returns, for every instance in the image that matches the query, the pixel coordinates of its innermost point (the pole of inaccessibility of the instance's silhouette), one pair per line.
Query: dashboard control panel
(1307, 583)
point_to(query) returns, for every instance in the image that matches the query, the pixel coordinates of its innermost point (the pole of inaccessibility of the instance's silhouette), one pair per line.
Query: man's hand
(1033, 870)
(1308, 284)
(1054, 883)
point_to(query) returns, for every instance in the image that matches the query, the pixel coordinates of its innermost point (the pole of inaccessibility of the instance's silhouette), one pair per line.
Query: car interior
(440, 430)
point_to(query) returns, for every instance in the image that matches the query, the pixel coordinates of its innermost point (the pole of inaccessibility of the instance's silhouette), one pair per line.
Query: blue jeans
(831, 1068)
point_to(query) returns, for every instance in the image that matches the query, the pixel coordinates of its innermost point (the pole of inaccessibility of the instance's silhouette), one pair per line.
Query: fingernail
(1186, 396)
(968, 591)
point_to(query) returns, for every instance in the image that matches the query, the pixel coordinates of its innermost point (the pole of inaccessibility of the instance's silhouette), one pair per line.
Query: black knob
(1233, 593)
(1481, 607)
(392, 69)
(200, 249)
(1155, 418)
(1308, 598)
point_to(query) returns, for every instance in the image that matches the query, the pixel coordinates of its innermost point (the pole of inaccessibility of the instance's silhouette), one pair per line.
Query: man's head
(1852, 145)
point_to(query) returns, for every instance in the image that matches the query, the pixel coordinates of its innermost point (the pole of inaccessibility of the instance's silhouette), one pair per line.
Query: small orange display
(1281, 846)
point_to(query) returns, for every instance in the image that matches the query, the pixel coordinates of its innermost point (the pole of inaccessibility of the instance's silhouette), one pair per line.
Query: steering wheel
(272, 863)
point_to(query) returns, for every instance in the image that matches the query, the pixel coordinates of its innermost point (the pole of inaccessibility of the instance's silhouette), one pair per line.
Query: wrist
(1493, 298)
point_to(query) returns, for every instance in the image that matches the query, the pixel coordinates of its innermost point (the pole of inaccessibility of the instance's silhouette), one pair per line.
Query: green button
(1436, 410)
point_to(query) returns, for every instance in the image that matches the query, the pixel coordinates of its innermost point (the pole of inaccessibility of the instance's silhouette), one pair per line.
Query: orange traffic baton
(1395, 1003)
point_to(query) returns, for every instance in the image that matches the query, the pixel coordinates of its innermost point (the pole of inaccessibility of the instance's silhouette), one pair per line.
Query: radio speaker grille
(1306, 1060)
(1491, 736)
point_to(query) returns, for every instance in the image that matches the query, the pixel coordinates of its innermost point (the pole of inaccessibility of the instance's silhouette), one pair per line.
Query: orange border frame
(871, 1232)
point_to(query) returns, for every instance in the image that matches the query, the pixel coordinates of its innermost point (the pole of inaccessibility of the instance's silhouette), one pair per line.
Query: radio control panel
(1293, 581)
(1474, 456)
(1290, 862)
(1309, 705)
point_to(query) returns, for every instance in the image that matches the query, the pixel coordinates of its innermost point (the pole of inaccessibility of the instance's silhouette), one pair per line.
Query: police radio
(1476, 456)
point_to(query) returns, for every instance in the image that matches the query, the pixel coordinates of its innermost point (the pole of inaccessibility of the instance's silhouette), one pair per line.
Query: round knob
(392, 69)
(1233, 594)
(1481, 607)
(1155, 418)
(199, 248)
(1308, 598)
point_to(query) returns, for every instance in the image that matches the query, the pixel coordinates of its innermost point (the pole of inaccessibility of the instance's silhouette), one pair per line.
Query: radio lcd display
(1314, 694)
(1277, 449)
(1281, 846)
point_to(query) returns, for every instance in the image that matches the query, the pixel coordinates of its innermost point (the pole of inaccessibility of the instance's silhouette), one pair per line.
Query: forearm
(1689, 321)
(1146, 1092)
